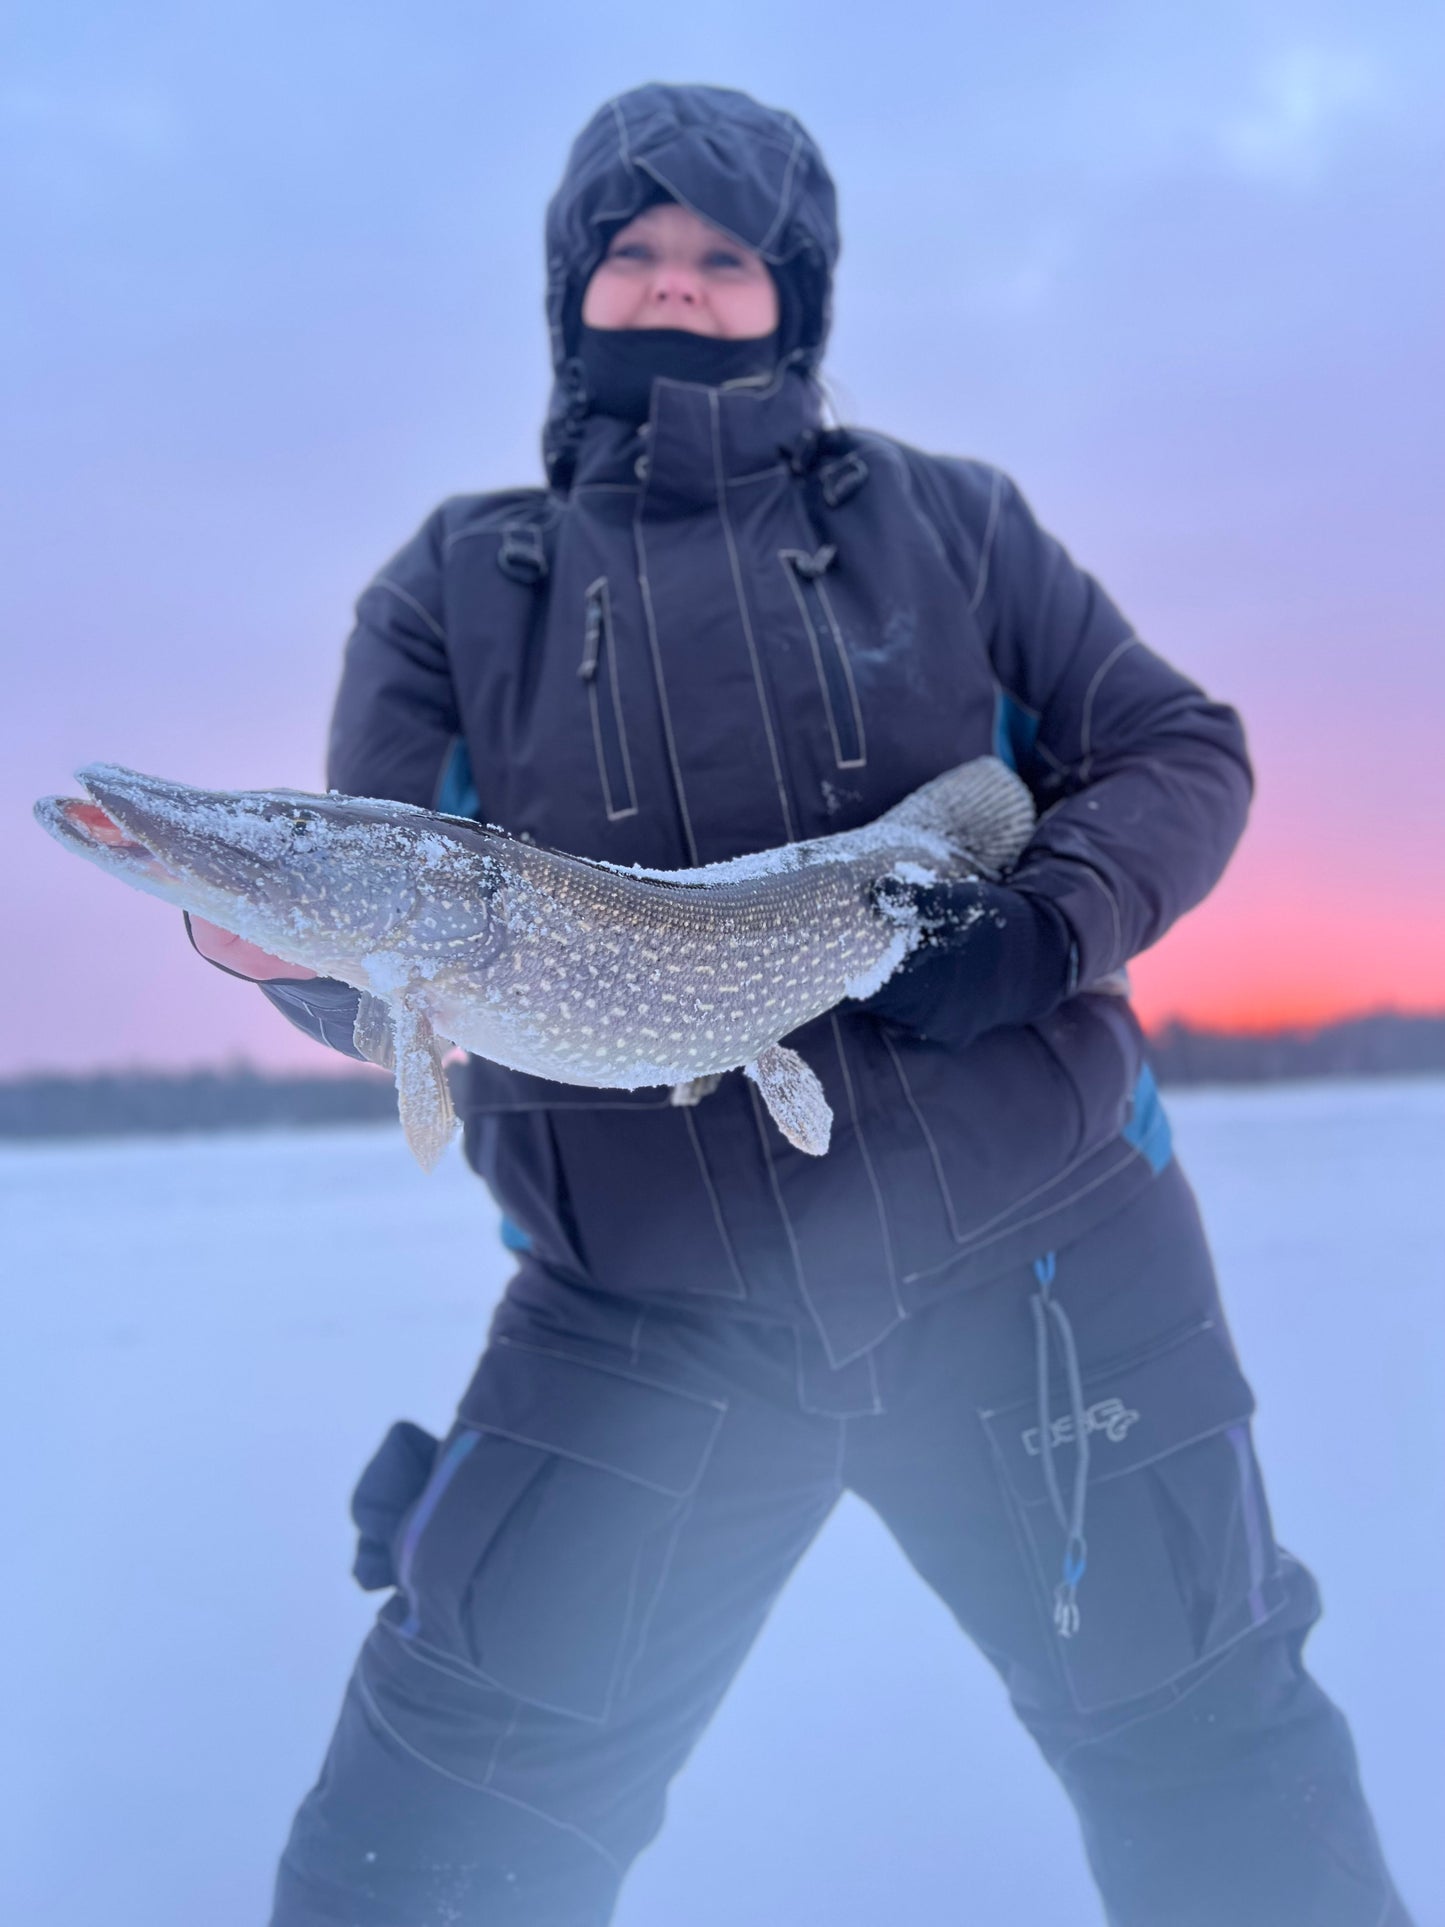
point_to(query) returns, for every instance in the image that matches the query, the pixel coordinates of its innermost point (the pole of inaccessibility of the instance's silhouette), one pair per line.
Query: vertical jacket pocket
(536, 1554)
(598, 670)
(1181, 1554)
(830, 657)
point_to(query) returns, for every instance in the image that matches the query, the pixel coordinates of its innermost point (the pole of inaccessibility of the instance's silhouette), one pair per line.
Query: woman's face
(671, 269)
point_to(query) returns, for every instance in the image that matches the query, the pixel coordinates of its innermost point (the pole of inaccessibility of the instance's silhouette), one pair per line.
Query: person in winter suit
(989, 1310)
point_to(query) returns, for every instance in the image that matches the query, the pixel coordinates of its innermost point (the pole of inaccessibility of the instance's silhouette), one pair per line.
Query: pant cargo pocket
(535, 1555)
(1181, 1555)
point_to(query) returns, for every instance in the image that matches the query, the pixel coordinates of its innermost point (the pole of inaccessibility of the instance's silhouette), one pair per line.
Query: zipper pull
(591, 634)
(810, 567)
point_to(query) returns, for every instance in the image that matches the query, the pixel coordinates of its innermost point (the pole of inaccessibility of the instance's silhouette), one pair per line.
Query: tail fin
(981, 808)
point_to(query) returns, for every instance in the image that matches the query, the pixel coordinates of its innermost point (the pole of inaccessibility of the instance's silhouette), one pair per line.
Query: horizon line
(333, 1064)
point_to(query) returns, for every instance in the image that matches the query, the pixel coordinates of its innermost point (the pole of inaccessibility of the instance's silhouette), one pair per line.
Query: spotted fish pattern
(457, 934)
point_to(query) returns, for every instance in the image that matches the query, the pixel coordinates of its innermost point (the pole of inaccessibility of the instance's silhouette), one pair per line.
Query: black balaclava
(750, 170)
(619, 365)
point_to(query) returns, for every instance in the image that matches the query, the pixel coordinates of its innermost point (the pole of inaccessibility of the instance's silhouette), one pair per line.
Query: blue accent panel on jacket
(1014, 730)
(514, 1237)
(457, 794)
(1148, 1127)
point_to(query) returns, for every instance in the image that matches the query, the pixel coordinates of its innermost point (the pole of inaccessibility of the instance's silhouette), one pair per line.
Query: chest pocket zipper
(830, 658)
(609, 734)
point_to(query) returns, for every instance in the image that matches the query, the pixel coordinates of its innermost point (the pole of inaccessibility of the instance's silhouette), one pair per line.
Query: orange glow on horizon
(1301, 1012)
(1227, 969)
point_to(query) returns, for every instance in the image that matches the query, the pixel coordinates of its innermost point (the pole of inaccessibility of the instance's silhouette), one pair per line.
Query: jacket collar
(697, 439)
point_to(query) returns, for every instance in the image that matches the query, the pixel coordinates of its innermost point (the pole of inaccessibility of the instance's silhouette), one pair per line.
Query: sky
(273, 288)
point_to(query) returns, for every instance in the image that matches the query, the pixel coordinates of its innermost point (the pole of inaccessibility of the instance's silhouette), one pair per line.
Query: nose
(675, 286)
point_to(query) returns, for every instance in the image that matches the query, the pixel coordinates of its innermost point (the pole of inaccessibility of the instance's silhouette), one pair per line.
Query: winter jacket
(732, 628)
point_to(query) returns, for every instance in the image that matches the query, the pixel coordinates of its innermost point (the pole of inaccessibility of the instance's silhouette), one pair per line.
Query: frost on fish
(371, 1033)
(590, 973)
(794, 1098)
(903, 941)
(913, 872)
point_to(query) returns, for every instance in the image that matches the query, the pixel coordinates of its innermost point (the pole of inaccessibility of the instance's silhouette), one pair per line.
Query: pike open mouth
(78, 821)
(93, 821)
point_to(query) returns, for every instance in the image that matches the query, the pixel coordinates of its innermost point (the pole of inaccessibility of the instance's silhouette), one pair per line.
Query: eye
(631, 251)
(301, 822)
(724, 258)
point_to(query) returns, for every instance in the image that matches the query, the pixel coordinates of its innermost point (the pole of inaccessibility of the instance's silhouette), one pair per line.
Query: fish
(457, 933)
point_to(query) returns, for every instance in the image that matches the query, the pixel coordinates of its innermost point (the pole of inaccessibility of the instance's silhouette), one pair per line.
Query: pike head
(377, 893)
(391, 899)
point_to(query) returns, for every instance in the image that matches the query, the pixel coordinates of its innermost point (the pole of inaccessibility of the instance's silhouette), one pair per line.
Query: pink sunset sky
(280, 291)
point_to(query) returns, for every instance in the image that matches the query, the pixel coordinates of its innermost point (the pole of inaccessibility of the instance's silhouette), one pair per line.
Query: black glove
(392, 1482)
(988, 956)
(322, 1007)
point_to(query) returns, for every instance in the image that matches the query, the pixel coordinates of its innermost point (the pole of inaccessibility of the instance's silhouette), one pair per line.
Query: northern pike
(457, 933)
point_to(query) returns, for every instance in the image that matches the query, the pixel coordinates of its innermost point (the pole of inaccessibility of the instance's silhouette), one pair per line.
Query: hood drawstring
(1046, 1308)
(566, 423)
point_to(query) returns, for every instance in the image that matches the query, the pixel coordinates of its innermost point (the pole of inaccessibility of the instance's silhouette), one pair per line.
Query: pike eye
(301, 823)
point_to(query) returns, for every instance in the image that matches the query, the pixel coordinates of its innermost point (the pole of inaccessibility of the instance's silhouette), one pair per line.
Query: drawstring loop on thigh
(1046, 1309)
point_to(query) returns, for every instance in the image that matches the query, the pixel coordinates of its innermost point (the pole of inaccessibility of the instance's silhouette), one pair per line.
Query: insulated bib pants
(583, 1563)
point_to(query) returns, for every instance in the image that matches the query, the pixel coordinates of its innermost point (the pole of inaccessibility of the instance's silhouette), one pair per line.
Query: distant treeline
(1383, 1045)
(130, 1103)
(143, 1103)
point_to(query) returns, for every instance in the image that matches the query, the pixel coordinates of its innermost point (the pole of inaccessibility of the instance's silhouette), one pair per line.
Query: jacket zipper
(835, 676)
(609, 734)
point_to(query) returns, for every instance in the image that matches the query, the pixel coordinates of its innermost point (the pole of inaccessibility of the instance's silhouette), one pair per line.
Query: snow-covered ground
(204, 1339)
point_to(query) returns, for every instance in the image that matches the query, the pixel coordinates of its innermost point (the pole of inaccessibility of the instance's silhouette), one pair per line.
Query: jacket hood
(752, 171)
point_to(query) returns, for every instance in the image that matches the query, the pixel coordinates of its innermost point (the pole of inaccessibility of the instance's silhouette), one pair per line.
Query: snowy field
(204, 1340)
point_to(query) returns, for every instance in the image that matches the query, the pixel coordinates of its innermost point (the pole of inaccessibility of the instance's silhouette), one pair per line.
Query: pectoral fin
(794, 1097)
(371, 1032)
(423, 1095)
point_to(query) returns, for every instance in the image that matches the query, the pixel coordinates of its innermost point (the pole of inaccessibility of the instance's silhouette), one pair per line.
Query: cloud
(1305, 101)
